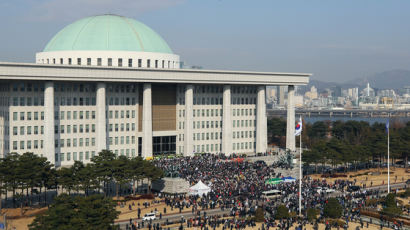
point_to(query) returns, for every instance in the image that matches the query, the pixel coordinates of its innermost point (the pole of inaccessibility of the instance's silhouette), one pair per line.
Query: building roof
(45, 72)
(108, 33)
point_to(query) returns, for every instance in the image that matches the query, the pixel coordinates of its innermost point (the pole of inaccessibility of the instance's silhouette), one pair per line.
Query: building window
(88, 61)
(69, 61)
(156, 63)
(139, 62)
(61, 61)
(120, 62)
(163, 64)
(148, 63)
(78, 61)
(109, 61)
(130, 62)
(99, 61)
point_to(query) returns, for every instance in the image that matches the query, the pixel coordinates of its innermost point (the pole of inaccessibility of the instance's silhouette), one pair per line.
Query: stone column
(189, 132)
(101, 118)
(49, 142)
(261, 122)
(147, 121)
(227, 121)
(290, 122)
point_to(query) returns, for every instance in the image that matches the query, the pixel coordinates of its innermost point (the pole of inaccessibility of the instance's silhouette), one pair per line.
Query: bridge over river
(341, 113)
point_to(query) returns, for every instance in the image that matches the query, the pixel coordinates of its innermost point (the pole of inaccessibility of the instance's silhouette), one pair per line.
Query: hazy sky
(334, 40)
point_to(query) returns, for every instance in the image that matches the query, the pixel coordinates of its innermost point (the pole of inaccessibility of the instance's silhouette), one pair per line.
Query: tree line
(340, 142)
(30, 176)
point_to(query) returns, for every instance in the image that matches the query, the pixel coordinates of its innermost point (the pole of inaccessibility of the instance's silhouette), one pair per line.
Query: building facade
(110, 82)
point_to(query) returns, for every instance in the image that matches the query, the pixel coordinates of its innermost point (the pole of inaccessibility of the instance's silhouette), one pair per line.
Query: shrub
(312, 214)
(282, 212)
(332, 209)
(390, 208)
(259, 215)
(405, 194)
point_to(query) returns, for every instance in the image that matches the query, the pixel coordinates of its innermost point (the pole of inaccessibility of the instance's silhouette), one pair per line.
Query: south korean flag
(298, 129)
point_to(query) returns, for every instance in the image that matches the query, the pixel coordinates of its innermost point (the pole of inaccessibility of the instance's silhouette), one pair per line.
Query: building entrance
(164, 145)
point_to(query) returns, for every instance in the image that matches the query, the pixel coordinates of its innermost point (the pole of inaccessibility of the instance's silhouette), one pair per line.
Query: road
(177, 217)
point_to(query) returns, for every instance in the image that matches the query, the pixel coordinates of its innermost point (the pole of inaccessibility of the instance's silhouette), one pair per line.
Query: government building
(111, 82)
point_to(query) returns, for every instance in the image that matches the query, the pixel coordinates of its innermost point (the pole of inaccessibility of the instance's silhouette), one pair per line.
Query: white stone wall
(122, 119)
(26, 118)
(4, 118)
(180, 115)
(243, 114)
(208, 117)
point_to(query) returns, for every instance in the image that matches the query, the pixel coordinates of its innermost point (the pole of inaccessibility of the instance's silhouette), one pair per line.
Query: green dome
(108, 32)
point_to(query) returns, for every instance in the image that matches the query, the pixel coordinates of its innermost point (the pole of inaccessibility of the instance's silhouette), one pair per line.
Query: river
(370, 120)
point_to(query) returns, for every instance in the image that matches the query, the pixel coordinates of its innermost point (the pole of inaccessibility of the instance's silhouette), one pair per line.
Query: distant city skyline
(336, 41)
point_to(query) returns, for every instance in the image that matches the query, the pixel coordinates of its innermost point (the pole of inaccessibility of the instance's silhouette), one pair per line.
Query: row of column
(101, 120)
(261, 120)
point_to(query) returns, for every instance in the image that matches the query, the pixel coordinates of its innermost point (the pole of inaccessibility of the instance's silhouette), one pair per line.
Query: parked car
(149, 216)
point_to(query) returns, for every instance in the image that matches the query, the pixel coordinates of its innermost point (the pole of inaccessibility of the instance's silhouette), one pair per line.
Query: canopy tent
(199, 189)
(273, 181)
(288, 179)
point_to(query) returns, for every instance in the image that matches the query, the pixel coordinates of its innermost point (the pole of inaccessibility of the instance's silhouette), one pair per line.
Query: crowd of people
(238, 186)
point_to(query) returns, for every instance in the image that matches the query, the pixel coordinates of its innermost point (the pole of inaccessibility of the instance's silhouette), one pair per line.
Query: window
(15, 116)
(21, 116)
(69, 61)
(139, 62)
(88, 61)
(148, 63)
(61, 61)
(130, 62)
(109, 61)
(78, 61)
(99, 61)
(156, 63)
(120, 62)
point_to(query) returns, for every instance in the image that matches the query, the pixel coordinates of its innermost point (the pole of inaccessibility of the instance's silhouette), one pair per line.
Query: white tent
(199, 189)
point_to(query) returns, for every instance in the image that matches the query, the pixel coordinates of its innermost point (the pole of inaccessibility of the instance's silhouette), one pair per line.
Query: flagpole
(300, 170)
(388, 157)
